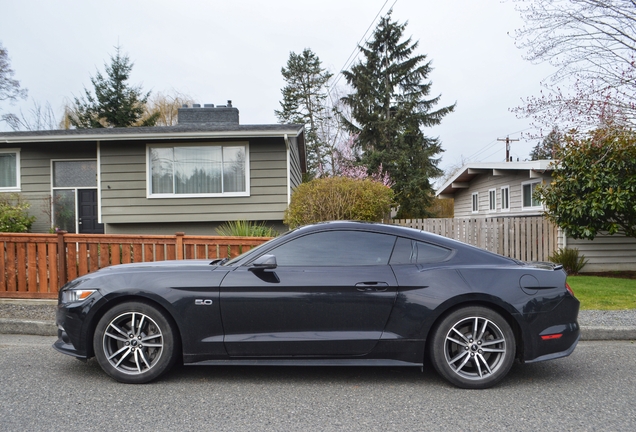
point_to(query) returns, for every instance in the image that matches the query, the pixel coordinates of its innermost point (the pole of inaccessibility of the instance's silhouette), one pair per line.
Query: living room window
(195, 171)
(9, 170)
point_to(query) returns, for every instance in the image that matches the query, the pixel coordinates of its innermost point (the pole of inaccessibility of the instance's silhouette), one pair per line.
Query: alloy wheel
(133, 343)
(475, 348)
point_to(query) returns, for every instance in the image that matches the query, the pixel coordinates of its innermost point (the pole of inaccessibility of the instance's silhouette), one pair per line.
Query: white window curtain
(8, 170)
(233, 169)
(197, 170)
(161, 167)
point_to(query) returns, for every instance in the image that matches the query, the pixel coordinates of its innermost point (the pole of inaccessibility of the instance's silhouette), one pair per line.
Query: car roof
(401, 231)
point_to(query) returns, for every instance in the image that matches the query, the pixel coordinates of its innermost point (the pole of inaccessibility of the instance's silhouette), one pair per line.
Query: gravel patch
(608, 318)
(26, 311)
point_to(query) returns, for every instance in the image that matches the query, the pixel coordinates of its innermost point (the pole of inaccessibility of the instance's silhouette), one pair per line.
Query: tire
(473, 347)
(135, 343)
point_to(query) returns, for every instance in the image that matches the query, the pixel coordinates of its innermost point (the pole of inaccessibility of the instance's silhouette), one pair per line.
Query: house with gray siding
(496, 189)
(191, 177)
(505, 189)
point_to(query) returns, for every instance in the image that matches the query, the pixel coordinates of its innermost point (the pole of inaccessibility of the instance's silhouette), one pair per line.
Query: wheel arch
(483, 302)
(117, 300)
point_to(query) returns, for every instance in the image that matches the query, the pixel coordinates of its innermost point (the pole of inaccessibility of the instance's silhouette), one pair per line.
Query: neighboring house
(494, 189)
(505, 189)
(191, 177)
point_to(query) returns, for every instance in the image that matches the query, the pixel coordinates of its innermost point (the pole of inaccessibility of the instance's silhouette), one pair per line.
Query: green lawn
(604, 293)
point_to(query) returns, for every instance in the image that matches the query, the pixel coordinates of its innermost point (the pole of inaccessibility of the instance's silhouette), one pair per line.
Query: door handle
(371, 286)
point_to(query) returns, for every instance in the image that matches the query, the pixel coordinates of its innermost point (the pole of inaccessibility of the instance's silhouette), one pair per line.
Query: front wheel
(473, 347)
(135, 343)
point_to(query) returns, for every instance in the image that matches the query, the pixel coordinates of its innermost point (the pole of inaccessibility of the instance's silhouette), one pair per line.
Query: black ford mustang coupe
(330, 294)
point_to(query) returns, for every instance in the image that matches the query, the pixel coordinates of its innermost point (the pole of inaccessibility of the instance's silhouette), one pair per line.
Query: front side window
(336, 248)
(198, 170)
(529, 201)
(475, 202)
(9, 170)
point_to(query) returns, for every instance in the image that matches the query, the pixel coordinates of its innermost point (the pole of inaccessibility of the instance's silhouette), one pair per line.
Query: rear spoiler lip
(545, 265)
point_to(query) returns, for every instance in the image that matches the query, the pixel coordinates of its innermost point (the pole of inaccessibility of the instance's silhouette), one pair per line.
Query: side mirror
(264, 262)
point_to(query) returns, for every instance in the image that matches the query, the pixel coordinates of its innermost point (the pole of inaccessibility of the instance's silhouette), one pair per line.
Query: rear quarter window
(409, 251)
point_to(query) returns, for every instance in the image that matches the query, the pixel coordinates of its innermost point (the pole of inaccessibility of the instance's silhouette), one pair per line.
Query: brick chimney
(208, 114)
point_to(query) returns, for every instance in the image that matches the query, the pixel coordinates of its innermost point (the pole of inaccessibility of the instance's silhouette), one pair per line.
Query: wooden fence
(523, 238)
(31, 265)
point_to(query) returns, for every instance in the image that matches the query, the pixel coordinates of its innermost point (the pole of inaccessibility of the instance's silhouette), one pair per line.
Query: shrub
(570, 260)
(338, 198)
(246, 229)
(14, 216)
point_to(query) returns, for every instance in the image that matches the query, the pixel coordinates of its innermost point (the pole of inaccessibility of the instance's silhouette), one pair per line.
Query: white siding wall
(483, 183)
(606, 253)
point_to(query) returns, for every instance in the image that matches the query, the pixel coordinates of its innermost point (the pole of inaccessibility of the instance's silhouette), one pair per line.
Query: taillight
(567, 286)
(552, 336)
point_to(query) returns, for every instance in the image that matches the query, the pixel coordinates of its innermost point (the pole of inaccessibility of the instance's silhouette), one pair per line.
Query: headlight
(76, 295)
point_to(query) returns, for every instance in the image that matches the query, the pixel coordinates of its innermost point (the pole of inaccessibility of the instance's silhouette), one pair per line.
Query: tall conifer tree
(304, 98)
(115, 103)
(389, 109)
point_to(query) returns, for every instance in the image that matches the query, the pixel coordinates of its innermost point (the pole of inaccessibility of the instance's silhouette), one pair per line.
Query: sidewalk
(37, 317)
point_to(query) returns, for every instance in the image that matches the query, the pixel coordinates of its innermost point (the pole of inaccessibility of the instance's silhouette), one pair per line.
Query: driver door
(331, 294)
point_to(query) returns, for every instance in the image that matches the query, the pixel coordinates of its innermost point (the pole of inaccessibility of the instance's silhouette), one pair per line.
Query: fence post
(61, 259)
(179, 247)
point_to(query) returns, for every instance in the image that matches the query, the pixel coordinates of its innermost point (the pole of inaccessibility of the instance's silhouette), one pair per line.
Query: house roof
(192, 130)
(181, 131)
(463, 176)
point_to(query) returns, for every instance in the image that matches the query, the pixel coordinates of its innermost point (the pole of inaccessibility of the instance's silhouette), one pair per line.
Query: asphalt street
(40, 389)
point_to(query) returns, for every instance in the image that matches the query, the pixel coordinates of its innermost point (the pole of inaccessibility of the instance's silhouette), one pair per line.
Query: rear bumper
(556, 355)
(551, 334)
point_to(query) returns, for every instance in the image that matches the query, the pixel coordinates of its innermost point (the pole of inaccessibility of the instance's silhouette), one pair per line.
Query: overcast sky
(220, 50)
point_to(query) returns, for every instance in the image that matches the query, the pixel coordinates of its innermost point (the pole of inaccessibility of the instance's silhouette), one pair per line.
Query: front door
(87, 208)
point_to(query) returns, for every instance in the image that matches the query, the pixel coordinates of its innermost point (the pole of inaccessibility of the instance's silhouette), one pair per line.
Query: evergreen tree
(547, 148)
(304, 97)
(388, 111)
(115, 103)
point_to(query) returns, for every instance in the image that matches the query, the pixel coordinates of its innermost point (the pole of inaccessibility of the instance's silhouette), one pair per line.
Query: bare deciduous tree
(592, 43)
(167, 105)
(9, 87)
(38, 117)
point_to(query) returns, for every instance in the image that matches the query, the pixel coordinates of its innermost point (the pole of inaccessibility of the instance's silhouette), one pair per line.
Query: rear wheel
(135, 343)
(473, 347)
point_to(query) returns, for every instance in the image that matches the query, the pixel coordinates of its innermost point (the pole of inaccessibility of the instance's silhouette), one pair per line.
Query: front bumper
(74, 329)
(64, 345)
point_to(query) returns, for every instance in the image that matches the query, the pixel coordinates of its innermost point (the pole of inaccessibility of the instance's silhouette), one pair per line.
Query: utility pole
(507, 140)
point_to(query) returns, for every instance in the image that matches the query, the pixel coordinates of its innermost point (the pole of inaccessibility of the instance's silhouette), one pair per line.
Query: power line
(354, 54)
(491, 144)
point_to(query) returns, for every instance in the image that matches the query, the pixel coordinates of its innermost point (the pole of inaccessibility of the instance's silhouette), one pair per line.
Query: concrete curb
(26, 327)
(48, 328)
